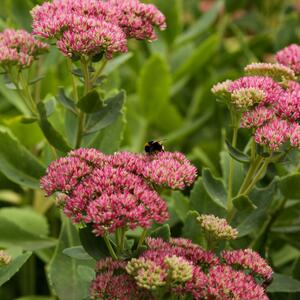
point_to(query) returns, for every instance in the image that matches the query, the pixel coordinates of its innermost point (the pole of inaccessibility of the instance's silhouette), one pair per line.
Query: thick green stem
(109, 247)
(75, 92)
(257, 177)
(255, 165)
(87, 87)
(99, 71)
(235, 119)
(142, 238)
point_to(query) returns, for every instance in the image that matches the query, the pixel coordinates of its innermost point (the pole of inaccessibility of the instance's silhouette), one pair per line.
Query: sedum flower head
(271, 89)
(112, 282)
(256, 117)
(114, 191)
(290, 57)
(138, 19)
(221, 89)
(245, 98)
(148, 274)
(273, 134)
(217, 227)
(5, 258)
(18, 47)
(171, 169)
(225, 283)
(249, 259)
(95, 27)
(180, 270)
(278, 72)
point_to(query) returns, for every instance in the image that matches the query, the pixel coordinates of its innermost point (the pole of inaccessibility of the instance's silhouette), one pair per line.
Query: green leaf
(201, 25)
(109, 139)
(239, 173)
(63, 270)
(243, 203)
(63, 99)
(107, 115)
(283, 284)
(17, 163)
(86, 274)
(13, 98)
(115, 63)
(154, 87)
(191, 229)
(36, 79)
(237, 154)
(90, 103)
(253, 222)
(162, 232)
(181, 205)
(200, 56)
(13, 234)
(94, 246)
(52, 135)
(215, 188)
(289, 186)
(7, 271)
(202, 202)
(27, 219)
(77, 252)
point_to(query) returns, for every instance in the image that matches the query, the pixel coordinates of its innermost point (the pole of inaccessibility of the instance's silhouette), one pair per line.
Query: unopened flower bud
(217, 227)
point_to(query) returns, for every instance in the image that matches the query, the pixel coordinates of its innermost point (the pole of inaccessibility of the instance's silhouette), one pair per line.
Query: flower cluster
(94, 28)
(114, 191)
(290, 57)
(18, 47)
(181, 268)
(216, 227)
(269, 99)
(112, 282)
(5, 258)
(249, 260)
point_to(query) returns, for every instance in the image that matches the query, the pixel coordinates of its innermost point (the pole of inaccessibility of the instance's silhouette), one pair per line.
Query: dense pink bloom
(248, 259)
(170, 169)
(95, 27)
(295, 135)
(257, 117)
(288, 105)
(273, 134)
(64, 174)
(290, 57)
(124, 199)
(138, 19)
(271, 89)
(108, 285)
(179, 247)
(18, 47)
(113, 191)
(225, 283)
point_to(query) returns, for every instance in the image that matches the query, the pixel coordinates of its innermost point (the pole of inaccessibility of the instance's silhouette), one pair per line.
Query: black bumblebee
(153, 147)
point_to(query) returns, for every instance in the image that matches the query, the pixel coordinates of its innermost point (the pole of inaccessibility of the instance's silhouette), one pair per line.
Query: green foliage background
(168, 86)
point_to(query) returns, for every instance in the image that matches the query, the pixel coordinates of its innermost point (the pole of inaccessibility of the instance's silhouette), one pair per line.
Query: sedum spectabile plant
(118, 238)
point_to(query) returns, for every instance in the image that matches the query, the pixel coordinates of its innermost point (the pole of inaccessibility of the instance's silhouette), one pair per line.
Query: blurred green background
(168, 86)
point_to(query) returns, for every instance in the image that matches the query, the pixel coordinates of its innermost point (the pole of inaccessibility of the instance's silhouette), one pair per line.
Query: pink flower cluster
(249, 260)
(18, 47)
(181, 268)
(275, 117)
(114, 191)
(290, 57)
(109, 285)
(95, 27)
